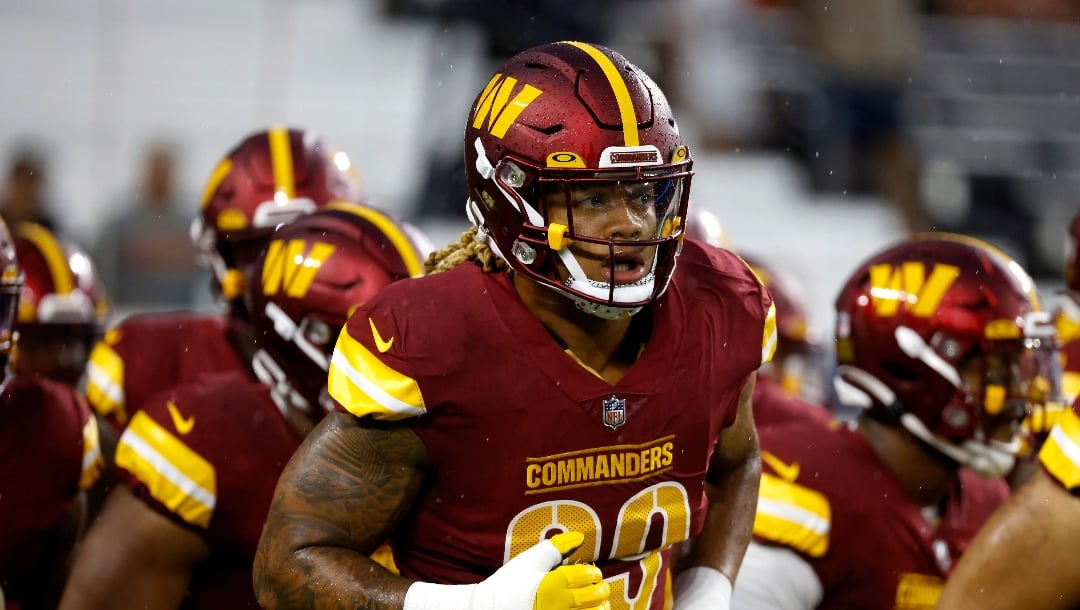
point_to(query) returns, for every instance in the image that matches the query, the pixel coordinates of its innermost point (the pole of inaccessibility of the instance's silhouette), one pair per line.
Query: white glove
(533, 580)
(702, 588)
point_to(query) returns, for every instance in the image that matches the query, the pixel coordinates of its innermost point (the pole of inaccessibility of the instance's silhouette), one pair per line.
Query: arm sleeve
(775, 578)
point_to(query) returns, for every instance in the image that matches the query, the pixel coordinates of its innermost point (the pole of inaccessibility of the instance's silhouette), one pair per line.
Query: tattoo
(343, 493)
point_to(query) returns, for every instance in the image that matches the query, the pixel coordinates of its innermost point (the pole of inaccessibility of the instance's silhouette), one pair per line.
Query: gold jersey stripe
(282, 160)
(365, 385)
(618, 87)
(1060, 455)
(793, 515)
(1070, 385)
(768, 335)
(93, 462)
(52, 252)
(182, 480)
(390, 229)
(105, 382)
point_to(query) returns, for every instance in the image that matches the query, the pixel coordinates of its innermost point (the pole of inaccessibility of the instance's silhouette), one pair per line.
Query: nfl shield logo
(614, 412)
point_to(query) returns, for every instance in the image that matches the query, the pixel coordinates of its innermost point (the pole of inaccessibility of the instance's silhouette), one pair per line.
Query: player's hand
(534, 580)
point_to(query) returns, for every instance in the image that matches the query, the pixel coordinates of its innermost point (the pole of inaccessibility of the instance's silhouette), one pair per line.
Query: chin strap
(285, 396)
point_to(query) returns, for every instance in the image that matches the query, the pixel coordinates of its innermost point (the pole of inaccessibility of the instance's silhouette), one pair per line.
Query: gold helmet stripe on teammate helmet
(52, 252)
(281, 157)
(618, 87)
(389, 228)
(223, 168)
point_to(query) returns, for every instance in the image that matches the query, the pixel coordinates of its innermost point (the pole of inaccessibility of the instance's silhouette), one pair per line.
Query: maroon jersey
(826, 495)
(208, 454)
(523, 441)
(773, 405)
(49, 453)
(147, 353)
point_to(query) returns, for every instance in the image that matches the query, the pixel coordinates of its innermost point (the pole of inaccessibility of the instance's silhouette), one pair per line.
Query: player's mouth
(625, 268)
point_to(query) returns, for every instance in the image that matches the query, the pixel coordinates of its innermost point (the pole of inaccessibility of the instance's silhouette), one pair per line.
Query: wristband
(702, 588)
(430, 596)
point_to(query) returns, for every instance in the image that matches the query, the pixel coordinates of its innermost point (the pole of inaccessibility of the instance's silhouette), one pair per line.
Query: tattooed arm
(341, 495)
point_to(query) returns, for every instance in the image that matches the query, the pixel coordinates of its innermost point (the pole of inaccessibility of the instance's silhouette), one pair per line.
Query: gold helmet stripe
(52, 252)
(390, 229)
(281, 157)
(618, 87)
(223, 168)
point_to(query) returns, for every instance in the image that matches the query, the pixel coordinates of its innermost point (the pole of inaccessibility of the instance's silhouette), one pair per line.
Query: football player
(49, 456)
(199, 461)
(1025, 555)
(943, 339)
(271, 177)
(556, 393)
(62, 308)
(1068, 318)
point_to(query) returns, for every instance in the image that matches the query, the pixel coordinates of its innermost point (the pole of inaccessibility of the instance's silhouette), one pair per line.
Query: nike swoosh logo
(381, 345)
(183, 425)
(788, 472)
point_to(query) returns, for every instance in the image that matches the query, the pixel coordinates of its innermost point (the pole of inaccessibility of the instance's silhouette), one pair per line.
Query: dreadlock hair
(470, 248)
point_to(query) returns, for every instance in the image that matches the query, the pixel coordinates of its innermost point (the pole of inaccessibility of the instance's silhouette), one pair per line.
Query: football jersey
(826, 495)
(773, 405)
(208, 454)
(1069, 334)
(147, 353)
(522, 440)
(49, 452)
(1060, 453)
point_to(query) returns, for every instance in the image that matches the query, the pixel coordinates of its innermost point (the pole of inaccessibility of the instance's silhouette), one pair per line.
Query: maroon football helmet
(944, 334)
(11, 280)
(313, 273)
(576, 128)
(271, 177)
(62, 309)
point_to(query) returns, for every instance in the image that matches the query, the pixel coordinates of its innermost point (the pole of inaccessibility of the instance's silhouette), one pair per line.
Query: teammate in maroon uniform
(943, 338)
(556, 379)
(269, 178)
(49, 455)
(1025, 555)
(200, 461)
(62, 308)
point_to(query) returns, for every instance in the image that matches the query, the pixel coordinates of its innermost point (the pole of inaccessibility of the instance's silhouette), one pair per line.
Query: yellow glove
(532, 580)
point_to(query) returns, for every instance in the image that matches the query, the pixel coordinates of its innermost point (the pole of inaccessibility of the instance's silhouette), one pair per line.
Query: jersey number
(664, 506)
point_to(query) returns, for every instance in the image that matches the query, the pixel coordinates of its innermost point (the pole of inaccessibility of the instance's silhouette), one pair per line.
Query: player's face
(57, 351)
(624, 211)
(1013, 380)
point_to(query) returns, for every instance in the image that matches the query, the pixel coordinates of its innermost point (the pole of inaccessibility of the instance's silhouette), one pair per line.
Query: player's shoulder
(806, 468)
(181, 444)
(40, 397)
(1060, 453)
(44, 417)
(711, 279)
(164, 324)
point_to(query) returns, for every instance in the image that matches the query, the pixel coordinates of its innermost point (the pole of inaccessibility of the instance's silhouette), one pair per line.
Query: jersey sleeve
(369, 371)
(105, 379)
(158, 460)
(790, 514)
(93, 461)
(1060, 454)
